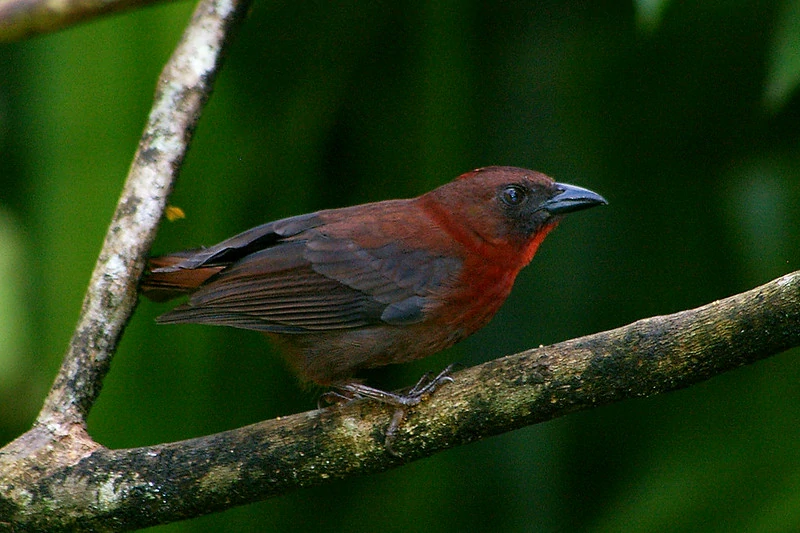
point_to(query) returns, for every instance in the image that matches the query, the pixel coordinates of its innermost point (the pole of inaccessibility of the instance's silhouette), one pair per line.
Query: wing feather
(292, 277)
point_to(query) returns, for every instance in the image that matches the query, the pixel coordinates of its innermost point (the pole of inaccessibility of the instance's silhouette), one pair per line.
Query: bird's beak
(570, 199)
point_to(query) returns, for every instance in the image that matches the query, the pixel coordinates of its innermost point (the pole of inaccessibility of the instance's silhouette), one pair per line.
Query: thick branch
(20, 19)
(123, 489)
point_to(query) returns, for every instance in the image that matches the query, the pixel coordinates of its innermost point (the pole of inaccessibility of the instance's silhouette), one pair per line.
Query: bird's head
(512, 205)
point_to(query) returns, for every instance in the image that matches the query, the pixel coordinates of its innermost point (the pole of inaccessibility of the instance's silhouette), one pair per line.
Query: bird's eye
(513, 195)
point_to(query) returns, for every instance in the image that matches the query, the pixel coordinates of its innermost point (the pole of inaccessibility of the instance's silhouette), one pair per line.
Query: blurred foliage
(783, 75)
(689, 128)
(649, 13)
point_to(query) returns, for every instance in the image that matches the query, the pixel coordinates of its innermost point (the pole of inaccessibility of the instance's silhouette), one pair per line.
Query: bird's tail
(163, 281)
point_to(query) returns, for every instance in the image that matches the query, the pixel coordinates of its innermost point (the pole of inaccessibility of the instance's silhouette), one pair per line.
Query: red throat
(533, 243)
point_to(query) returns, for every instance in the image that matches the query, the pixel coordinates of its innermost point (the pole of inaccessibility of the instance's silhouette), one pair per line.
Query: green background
(682, 115)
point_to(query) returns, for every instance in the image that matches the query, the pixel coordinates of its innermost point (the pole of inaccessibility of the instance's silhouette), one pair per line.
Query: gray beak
(571, 199)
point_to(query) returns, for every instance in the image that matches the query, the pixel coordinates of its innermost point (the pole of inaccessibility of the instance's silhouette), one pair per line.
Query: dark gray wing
(314, 282)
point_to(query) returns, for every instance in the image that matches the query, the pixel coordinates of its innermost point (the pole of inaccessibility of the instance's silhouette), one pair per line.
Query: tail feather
(161, 283)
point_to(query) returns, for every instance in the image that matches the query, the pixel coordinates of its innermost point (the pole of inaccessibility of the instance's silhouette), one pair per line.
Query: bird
(341, 290)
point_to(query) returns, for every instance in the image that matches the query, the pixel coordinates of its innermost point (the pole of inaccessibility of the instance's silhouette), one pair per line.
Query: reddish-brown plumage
(373, 284)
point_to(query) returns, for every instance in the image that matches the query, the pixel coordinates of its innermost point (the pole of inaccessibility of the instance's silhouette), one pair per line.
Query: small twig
(20, 19)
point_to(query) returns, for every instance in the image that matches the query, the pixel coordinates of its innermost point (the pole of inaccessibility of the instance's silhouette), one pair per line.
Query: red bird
(374, 284)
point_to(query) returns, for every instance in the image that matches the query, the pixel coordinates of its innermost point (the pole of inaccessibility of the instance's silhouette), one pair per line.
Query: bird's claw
(426, 386)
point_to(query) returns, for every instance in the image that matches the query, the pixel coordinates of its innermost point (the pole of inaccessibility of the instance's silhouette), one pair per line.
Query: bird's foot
(426, 386)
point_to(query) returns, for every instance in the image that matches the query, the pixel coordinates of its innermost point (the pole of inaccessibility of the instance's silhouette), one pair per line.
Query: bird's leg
(424, 387)
(397, 419)
(332, 397)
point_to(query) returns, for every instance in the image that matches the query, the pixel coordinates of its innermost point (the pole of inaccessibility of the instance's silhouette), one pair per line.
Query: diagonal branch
(183, 89)
(167, 482)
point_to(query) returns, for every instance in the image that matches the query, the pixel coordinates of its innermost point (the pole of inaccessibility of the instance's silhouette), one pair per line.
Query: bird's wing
(231, 250)
(314, 282)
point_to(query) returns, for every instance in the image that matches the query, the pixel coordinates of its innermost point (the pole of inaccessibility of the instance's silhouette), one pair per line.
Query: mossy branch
(79, 487)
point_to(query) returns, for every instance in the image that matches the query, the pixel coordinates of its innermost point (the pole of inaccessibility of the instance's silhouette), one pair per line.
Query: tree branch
(183, 89)
(126, 489)
(20, 19)
(58, 436)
